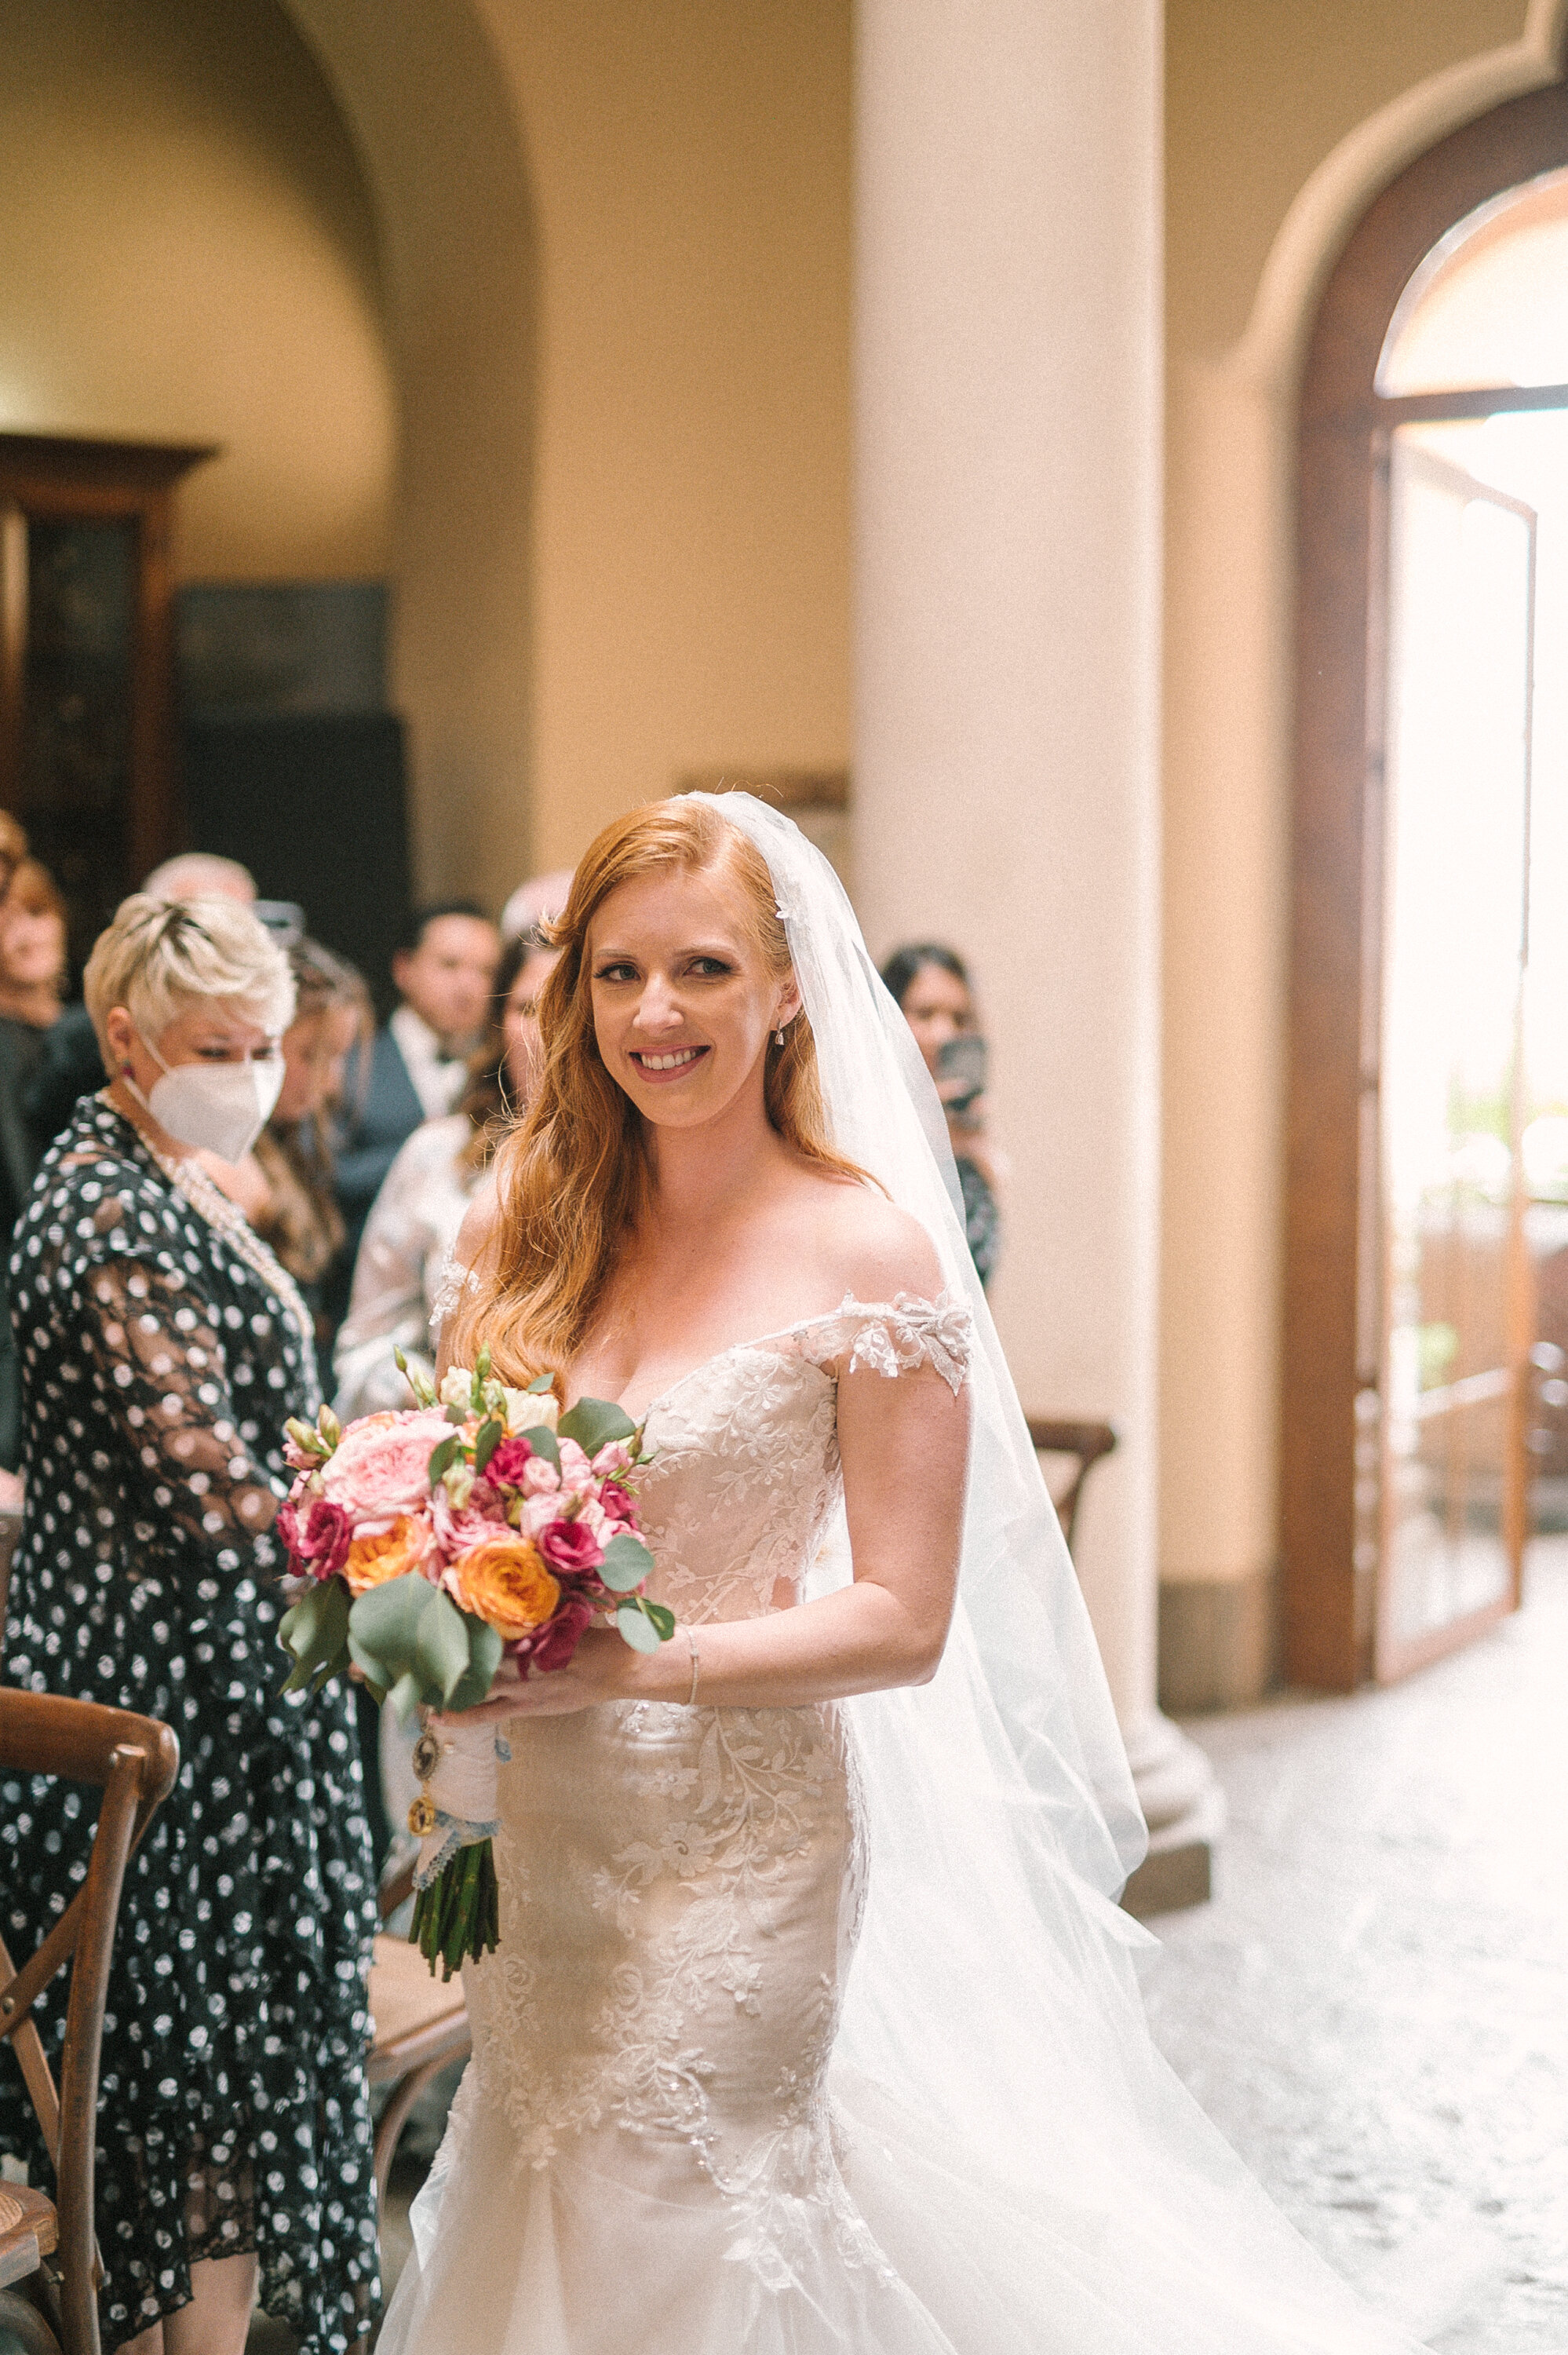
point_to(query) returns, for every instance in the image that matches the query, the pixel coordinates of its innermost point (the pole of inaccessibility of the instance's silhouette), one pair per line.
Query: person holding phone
(930, 983)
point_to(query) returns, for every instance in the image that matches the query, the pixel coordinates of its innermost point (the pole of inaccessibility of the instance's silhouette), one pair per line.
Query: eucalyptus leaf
(636, 1628)
(316, 1629)
(627, 1562)
(440, 1648)
(594, 1423)
(373, 1669)
(443, 1453)
(458, 1414)
(385, 1620)
(484, 1657)
(541, 1385)
(663, 1619)
(489, 1437)
(406, 1697)
(542, 1440)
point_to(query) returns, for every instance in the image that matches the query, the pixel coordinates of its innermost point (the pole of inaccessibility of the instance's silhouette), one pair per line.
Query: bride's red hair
(573, 1176)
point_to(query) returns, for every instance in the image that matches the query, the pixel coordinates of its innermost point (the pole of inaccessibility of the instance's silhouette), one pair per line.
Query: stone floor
(1374, 2008)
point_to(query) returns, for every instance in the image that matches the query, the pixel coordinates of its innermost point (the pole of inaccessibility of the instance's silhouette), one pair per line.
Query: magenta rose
(505, 1467)
(317, 1533)
(615, 1504)
(569, 1546)
(557, 1639)
(380, 1468)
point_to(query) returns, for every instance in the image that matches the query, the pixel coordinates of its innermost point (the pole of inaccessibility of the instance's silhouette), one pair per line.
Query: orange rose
(502, 1581)
(372, 1561)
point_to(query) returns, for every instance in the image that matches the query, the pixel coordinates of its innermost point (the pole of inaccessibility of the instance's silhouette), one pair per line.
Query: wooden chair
(421, 2025)
(1084, 1443)
(48, 2245)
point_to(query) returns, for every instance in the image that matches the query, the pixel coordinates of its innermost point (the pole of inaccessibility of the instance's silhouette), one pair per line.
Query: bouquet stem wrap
(456, 1816)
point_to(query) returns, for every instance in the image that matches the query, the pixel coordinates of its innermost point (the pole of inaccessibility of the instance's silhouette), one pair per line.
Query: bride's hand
(595, 1673)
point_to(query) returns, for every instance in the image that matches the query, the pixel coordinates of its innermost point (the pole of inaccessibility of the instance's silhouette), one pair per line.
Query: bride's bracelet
(692, 1640)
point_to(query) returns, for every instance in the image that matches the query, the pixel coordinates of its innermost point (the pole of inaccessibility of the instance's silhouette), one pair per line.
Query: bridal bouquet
(429, 1542)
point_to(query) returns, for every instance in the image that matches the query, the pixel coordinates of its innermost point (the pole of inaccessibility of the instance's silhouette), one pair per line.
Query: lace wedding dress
(644, 2154)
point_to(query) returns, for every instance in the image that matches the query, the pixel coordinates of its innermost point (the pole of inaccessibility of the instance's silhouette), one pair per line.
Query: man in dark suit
(444, 973)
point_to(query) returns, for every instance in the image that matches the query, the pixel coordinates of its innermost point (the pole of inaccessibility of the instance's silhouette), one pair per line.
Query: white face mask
(220, 1108)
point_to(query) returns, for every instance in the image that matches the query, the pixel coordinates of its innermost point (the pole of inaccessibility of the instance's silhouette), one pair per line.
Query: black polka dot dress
(158, 1366)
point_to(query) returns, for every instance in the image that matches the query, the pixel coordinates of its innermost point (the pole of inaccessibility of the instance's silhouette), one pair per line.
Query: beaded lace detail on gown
(681, 1892)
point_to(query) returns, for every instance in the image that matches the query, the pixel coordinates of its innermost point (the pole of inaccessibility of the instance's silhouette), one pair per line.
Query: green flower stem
(458, 1917)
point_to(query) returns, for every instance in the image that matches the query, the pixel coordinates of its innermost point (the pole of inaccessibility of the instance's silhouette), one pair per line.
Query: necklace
(210, 1202)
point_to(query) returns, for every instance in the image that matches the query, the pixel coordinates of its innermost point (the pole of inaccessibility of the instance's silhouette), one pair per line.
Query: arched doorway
(1394, 1545)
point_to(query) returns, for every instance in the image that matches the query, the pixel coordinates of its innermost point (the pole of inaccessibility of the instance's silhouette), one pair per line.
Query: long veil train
(1024, 2157)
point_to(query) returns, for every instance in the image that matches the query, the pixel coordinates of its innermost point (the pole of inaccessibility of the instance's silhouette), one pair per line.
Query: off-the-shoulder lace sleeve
(896, 1337)
(452, 1283)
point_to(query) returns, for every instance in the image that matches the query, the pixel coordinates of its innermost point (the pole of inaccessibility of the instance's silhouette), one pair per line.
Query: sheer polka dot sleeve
(159, 1366)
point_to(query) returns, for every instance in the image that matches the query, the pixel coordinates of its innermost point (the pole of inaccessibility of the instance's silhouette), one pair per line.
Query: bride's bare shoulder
(869, 1247)
(478, 1237)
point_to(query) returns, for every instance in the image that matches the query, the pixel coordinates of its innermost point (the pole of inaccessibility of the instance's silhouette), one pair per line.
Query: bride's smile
(682, 998)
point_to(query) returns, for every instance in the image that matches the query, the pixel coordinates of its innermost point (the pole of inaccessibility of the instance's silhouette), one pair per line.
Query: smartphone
(961, 1072)
(284, 919)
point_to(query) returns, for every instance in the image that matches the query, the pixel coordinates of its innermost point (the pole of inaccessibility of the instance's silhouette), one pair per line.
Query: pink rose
(570, 1546)
(557, 1639)
(540, 1478)
(577, 1473)
(380, 1468)
(614, 1456)
(615, 1504)
(317, 1534)
(510, 1461)
(481, 1518)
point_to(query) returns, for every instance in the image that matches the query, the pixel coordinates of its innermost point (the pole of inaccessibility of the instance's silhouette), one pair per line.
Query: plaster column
(1006, 789)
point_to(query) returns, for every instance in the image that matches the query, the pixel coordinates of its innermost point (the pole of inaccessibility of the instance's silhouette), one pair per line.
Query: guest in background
(285, 1185)
(930, 984)
(162, 1347)
(32, 971)
(429, 1189)
(71, 1066)
(13, 848)
(443, 973)
(535, 905)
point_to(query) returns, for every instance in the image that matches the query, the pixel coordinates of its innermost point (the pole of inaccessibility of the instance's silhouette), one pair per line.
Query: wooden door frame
(56, 475)
(1328, 1522)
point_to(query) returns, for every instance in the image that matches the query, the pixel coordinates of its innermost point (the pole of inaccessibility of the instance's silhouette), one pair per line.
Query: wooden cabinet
(88, 745)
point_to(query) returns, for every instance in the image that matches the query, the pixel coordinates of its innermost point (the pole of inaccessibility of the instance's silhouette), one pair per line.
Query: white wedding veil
(993, 2037)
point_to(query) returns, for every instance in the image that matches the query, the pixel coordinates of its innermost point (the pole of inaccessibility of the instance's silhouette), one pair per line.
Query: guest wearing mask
(71, 1066)
(443, 973)
(429, 1191)
(285, 1185)
(162, 1347)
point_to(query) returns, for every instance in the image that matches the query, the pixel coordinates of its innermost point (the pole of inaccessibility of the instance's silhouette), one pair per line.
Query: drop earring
(778, 1037)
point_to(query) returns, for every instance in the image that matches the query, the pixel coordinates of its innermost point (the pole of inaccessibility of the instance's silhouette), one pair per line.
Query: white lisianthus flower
(457, 1386)
(532, 1410)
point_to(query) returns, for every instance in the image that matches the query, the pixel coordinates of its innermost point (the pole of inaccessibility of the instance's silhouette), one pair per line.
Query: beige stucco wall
(691, 168)
(190, 256)
(1279, 123)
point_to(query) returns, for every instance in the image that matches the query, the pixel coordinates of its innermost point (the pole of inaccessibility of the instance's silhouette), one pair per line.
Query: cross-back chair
(1084, 1443)
(49, 2270)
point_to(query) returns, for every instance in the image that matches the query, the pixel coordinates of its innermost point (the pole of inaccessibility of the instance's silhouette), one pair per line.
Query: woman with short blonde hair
(161, 1349)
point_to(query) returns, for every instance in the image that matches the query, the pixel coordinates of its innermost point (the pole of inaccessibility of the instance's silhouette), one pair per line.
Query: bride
(813, 2027)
